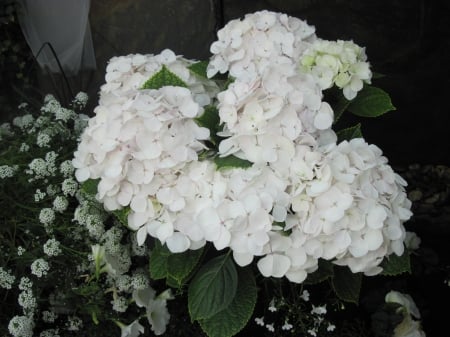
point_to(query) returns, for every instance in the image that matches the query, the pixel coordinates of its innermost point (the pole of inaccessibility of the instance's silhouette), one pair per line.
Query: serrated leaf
(90, 186)
(324, 272)
(158, 261)
(199, 68)
(231, 162)
(180, 265)
(122, 215)
(235, 317)
(339, 106)
(350, 133)
(394, 265)
(163, 78)
(347, 285)
(371, 102)
(213, 288)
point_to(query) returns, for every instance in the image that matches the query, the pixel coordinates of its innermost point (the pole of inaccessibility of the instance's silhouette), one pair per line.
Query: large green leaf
(163, 78)
(213, 288)
(158, 261)
(231, 162)
(371, 102)
(235, 317)
(339, 106)
(180, 265)
(346, 284)
(174, 267)
(349, 133)
(394, 265)
(199, 68)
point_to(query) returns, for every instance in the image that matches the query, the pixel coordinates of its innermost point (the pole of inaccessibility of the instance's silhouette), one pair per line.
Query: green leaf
(235, 317)
(180, 265)
(371, 102)
(163, 78)
(231, 162)
(122, 215)
(350, 133)
(213, 288)
(340, 106)
(158, 261)
(394, 265)
(346, 284)
(90, 186)
(210, 119)
(324, 272)
(199, 68)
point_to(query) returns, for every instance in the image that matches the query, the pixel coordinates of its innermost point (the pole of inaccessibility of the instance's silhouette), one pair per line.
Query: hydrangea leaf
(122, 215)
(371, 102)
(350, 133)
(181, 265)
(210, 119)
(158, 261)
(339, 105)
(213, 288)
(89, 187)
(347, 285)
(324, 272)
(231, 162)
(199, 68)
(163, 78)
(235, 317)
(394, 265)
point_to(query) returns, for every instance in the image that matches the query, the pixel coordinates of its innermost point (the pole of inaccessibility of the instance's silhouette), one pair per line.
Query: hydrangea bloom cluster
(303, 196)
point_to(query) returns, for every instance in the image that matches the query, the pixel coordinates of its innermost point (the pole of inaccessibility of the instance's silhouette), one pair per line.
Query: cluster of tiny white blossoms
(304, 197)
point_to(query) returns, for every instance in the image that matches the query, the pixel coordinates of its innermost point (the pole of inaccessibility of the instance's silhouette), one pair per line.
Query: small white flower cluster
(21, 326)
(7, 171)
(304, 198)
(40, 267)
(6, 279)
(340, 63)
(52, 247)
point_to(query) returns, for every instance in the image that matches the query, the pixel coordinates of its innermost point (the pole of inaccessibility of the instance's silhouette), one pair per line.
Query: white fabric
(65, 25)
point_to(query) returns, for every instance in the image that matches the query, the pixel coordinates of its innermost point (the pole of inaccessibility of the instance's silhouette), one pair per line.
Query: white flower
(342, 63)
(39, 267)
(134, 329)
(408, 327)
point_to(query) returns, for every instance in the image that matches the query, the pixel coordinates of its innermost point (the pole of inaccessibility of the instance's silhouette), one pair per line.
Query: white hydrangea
(340, 63)
(247, 47)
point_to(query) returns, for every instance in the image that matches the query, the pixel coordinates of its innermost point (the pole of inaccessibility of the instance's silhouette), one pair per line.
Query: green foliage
(235, 316)
(90, 186)
(371, 102)
(395, 265)
(347, 285)
(122, 215)
(350, 133)
(210, 119)
(199, 68)
(163, 78)
(176, 268)
(213, 288)
(231, 162)
(324, 272)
